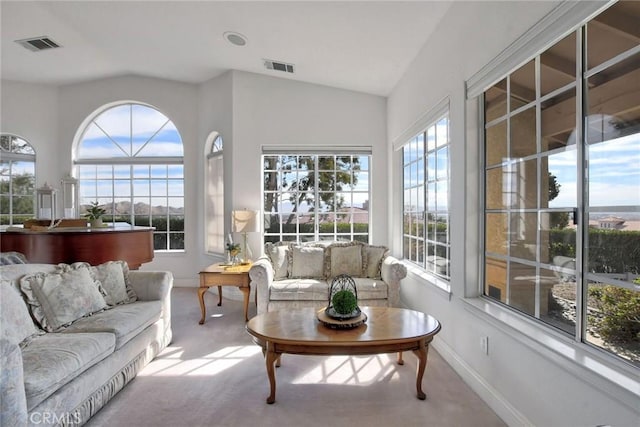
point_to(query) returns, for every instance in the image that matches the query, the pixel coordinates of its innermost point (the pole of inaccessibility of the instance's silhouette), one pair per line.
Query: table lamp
(245, 221)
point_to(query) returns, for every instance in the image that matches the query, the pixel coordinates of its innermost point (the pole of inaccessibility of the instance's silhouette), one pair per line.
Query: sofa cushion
(52, 360)
(345, 258)
(318, 290)
(277, 254)
(306, 262)
(58, 299)
(124, 321)
(16, 324)
(369, 289)
(300, 290)
(372, 257)
(114, 278)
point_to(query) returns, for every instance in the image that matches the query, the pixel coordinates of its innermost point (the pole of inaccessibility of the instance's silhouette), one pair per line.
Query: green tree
(298, 177)
(556, 219)
(20, 189)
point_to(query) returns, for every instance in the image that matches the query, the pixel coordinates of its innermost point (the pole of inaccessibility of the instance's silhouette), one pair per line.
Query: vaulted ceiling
(359, 45)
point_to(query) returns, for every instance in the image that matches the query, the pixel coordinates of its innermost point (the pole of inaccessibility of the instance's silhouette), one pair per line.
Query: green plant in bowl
(344, 302)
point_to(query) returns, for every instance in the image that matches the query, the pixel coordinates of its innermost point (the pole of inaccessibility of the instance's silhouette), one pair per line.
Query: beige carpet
(213, 375)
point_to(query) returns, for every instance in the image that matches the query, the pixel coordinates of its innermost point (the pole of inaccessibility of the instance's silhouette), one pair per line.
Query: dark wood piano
(72, 244)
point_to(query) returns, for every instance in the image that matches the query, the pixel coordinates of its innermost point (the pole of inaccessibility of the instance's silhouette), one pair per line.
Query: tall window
(214, 194)
(316, 197)
(426, 198)
(17, 180)
(130, 160)
(562, 185)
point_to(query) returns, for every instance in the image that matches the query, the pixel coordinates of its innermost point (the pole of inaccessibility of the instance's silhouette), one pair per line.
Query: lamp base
(246, 251)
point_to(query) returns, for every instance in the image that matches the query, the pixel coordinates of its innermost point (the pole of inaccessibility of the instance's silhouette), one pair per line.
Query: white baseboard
(496, 401)
(185, 283)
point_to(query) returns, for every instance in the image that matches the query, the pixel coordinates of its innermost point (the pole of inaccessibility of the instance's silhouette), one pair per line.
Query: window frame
(11, 157)
(214, 152)
(429, 121)
(579, 85)
(316, 235)
(134, 163)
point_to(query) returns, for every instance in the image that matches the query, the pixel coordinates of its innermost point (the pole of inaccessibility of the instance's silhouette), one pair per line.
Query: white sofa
(292, 275)
(63, 377)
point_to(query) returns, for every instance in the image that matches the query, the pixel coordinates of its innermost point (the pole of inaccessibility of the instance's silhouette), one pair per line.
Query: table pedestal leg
(400, 360)
(219, 296)
(271, 358)
(201, 292)
(245, 291)
(421, 353)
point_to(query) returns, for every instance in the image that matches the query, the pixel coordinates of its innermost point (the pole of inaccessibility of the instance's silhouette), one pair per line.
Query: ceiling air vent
(38, 43)
(278, 66)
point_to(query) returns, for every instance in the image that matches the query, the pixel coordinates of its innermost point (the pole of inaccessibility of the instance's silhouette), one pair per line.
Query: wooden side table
(220, 275)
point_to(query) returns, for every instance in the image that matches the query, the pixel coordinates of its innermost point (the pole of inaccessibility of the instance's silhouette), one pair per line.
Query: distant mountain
(124, 208)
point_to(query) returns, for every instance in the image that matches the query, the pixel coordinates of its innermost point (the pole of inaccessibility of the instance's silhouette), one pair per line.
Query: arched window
(130, 160)
(17, 180)
(214, 194)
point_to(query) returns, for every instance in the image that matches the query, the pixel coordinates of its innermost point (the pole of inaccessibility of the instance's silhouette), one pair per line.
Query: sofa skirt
(76, 402)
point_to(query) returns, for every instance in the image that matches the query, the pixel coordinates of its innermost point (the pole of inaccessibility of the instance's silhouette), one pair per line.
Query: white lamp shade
(245, 221)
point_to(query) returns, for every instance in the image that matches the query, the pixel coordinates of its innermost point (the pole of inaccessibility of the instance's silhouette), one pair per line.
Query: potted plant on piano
(94, 214)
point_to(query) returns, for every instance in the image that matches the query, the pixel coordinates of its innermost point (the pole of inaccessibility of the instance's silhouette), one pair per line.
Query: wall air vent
(278, 66)
(37, 44)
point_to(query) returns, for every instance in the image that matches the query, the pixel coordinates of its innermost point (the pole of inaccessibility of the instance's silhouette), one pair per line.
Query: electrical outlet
(484, 345)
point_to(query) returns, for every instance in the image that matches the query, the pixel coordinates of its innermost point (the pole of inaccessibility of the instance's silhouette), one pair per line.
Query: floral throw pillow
(16, 323)
(114, 279)
(58, 299)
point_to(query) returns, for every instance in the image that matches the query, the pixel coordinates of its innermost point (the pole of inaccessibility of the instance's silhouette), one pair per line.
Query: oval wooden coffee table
(387, 330)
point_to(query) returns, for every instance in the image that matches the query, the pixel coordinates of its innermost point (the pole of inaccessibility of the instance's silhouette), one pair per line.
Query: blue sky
(614, 174)
(114, 134)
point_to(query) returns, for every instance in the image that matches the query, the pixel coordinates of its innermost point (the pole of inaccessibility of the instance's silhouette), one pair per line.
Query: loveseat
(72, 336)
(295, 275)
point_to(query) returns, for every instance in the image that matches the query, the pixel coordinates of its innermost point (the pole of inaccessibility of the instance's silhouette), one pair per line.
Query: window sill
(164, 252)
(432, 280)
(597, 368)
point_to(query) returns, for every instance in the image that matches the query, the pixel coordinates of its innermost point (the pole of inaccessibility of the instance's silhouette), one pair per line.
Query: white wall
(529, 377)
(248, 110)
(215, 110)
(273, 111)
(30, 111)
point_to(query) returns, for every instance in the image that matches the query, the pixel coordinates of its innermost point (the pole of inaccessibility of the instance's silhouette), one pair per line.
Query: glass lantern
(69, 196)
(46, 202)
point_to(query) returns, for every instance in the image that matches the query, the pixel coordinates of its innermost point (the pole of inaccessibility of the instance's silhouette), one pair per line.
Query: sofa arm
(393, 271)
(261, 275)
(151, 285)
(13, 403)
(155, 286)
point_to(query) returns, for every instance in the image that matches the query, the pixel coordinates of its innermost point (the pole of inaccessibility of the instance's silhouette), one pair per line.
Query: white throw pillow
(306, 262)
(346, 259)
(277, 254)
(372, 257)
(58, 299)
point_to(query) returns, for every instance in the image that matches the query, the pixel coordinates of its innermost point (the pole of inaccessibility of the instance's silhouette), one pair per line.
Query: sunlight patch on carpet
(353, 370)
(175, 364)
